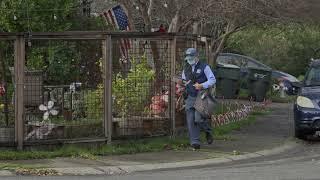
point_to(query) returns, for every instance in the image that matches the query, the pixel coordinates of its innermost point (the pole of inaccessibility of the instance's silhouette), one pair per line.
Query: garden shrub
(131, 93)
(94, 103)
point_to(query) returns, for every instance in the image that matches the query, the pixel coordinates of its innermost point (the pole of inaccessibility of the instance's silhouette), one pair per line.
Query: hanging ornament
(137, 8)
(29, 43)
(55, 17)
(15, 17)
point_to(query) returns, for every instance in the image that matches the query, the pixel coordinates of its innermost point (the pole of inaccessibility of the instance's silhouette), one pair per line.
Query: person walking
(197, 76)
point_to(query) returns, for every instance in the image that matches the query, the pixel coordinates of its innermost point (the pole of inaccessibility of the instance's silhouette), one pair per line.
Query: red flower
(2, 90)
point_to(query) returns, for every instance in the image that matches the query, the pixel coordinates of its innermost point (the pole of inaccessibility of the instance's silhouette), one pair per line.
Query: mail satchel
(206, 103)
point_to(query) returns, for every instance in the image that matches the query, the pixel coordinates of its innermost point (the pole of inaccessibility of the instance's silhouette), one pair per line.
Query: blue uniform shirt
(211, 80)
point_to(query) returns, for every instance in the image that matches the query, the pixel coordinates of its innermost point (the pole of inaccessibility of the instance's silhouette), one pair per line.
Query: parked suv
(307, 105)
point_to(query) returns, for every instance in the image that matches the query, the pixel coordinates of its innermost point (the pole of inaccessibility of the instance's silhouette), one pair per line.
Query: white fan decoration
(48, 110)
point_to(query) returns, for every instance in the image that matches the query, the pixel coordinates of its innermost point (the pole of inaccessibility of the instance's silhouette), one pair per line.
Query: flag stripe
(122, 47)
(107, 18)
(117, 17)
(111, 18)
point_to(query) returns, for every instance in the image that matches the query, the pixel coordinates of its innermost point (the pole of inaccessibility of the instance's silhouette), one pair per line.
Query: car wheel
(299, 134)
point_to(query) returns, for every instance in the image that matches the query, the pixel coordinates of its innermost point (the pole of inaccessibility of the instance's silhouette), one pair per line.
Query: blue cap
(191, 52)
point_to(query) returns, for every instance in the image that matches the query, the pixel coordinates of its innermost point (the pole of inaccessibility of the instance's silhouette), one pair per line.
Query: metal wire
(7, 116)
(64, 89)
(64, 94)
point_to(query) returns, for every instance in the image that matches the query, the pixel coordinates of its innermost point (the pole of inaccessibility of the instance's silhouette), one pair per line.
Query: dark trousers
(195, 122)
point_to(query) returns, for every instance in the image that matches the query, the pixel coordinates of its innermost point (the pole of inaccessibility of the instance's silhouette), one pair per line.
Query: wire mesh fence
(141, 87)
(7, 116)
(93, 85)
(63, 96)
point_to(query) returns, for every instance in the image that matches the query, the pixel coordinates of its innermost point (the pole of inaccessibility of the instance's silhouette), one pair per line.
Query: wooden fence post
(173, 44)
(19, 63)
(107, 71)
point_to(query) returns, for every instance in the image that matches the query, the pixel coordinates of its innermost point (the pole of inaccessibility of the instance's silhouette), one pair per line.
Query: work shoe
(209, 138)
(195, 146)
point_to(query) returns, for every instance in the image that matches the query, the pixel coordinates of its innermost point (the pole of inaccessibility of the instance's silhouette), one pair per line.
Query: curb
(4, 173)
(125, 169)
(118, 170)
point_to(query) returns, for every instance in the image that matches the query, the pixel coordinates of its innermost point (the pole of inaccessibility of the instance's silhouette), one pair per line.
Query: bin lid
(228, 66)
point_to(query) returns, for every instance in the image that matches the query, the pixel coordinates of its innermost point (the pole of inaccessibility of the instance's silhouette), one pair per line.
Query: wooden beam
(173, 44)
(74, 35)
(19, 63)
(104, 72)
(107, 62)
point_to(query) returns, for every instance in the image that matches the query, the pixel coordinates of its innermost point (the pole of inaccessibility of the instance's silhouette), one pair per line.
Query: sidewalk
(269, 135)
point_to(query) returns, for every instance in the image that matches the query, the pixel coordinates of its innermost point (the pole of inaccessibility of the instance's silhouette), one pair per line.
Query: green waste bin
(228, 77)
(259, 81)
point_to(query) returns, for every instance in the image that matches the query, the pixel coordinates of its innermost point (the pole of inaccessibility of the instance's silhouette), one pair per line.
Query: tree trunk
(195, 28)
(219, 49)
(145, 16)
(174, 23)
(219, 43)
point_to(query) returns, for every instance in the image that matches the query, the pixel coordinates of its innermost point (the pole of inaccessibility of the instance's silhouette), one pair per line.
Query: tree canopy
(46, 16)
(288, 48)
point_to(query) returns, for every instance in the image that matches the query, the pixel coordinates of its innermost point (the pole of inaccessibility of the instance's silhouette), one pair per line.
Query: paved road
(300, 163)
(303, 162)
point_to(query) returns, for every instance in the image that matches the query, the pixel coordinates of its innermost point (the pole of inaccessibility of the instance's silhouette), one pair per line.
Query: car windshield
(313, 77)
(239, 60)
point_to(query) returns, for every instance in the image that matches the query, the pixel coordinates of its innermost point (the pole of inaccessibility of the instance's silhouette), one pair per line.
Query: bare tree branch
(150, 7)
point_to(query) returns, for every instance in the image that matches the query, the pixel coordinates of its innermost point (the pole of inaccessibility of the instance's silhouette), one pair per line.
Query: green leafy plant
(94, 103)
(131, 93)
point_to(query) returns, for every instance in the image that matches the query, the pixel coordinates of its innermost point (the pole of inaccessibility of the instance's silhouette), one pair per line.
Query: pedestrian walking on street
(197, 76)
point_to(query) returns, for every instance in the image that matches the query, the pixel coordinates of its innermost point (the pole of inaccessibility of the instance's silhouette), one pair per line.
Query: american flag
(118, 18)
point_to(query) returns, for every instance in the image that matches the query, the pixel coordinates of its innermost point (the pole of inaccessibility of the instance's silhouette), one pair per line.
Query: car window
(241, 61)
(254, 65)
(313, 77)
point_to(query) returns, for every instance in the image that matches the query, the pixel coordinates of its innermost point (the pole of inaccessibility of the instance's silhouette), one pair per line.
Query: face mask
(190, 60)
